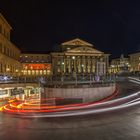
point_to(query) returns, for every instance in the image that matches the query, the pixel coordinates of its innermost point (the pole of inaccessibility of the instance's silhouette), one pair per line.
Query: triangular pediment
(76, 42)
(84, 50)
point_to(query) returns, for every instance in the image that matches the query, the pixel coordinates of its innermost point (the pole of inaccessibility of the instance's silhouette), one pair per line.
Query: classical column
(88, 64)
(85, 64)
(81, 63)
(64, 61)
(96, 65)
(91, 64)
(78, 65)
(66, 64)
(106, 60)
(74, 65)
(69, 65)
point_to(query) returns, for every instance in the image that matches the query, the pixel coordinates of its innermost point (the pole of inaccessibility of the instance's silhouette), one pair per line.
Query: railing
(66, 80)
(89, 80)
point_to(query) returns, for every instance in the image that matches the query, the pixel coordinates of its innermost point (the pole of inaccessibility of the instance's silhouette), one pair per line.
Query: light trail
(32, 108)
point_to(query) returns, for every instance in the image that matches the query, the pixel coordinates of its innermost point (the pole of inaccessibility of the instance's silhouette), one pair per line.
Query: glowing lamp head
(73, 57)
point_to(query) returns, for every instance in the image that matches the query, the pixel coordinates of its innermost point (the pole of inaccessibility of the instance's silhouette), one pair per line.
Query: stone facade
(120, 64)
(34, 65)
(9, 53)
(87, 94)
(78, 56)
(135, 61)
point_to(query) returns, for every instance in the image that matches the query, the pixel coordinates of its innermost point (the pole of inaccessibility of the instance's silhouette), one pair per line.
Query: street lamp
(73, 57)
(17, 74)
(7, 70)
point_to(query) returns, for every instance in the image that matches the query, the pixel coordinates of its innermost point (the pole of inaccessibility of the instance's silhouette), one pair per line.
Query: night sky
(113, 26)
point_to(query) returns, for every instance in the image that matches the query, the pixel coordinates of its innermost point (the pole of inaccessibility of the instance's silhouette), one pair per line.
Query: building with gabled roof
(79, 56)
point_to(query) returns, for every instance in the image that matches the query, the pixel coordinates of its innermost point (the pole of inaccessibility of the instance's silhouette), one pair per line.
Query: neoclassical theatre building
(79, 56)
(75, 56)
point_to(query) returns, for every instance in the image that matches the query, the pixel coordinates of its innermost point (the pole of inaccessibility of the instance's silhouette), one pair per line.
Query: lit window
(41, 72)
(25, 72)
(58, 70)
(33, 72)
(36, 72)
(29, 72)
(44, 72)
(48, 72)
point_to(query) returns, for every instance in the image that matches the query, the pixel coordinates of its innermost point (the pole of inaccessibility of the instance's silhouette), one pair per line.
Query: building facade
(80, 57)
(35, 65)
(119, 65)
(9, 53)
(135, 61)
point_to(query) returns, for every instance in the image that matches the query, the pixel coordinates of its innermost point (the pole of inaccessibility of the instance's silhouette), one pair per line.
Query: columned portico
(81, 58)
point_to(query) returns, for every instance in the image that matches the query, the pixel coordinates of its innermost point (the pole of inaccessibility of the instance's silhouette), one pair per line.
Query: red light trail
(34, 106)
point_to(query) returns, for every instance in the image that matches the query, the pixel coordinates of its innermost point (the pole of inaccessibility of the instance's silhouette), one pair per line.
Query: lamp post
(7, 71)
(17, 76)
(62, 73)
(83, 70)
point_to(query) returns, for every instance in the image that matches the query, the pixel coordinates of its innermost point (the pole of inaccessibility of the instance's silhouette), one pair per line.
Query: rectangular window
(25, 72)
(33, 72)
(4, 32)
(36, 72)
(29, 72)
(0, 28)
(40, 72)
(44, 72)
(0, 47)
